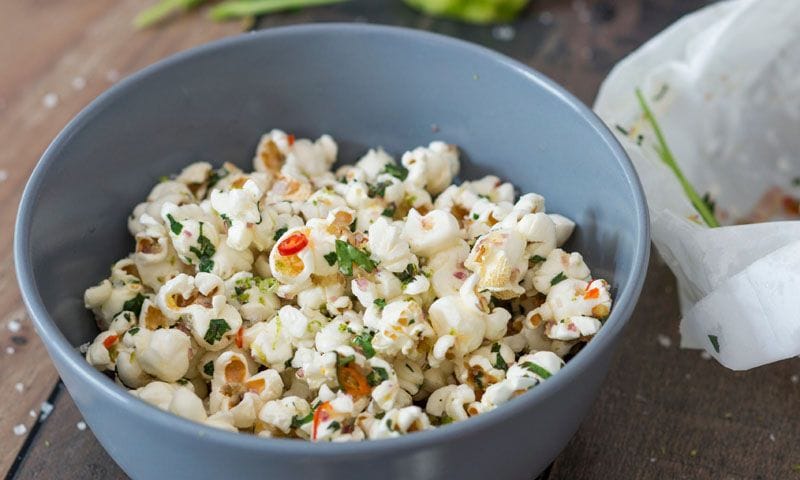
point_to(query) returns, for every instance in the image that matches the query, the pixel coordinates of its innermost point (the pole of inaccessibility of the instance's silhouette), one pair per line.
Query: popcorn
(297, 303)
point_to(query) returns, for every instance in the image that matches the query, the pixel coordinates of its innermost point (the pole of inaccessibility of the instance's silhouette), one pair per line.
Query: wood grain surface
(663, 412)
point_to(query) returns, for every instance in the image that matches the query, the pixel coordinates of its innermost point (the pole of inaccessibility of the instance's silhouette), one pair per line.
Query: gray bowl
(367, 86)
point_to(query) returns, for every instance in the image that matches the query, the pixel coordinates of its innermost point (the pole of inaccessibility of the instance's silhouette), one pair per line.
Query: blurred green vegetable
(474, 11)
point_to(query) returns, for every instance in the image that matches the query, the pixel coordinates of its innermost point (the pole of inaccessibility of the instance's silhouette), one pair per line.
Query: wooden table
(663, 412)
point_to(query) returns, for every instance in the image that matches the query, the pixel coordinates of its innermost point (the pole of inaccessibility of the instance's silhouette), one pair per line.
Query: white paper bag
(724, 85)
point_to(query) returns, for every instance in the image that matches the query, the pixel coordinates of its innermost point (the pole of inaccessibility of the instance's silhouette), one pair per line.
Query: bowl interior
(366, 87)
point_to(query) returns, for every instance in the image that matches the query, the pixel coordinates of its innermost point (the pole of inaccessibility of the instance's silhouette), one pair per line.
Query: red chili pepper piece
(292, 244)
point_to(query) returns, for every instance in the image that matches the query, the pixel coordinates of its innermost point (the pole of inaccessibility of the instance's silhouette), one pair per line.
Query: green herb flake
(216, 329)
(334, 426)
(226, 219)
(395, 170)
(182, 381)
(445, 420)
(279, 233)
(714, 342)
(380, 415)
(216, 176)
(298, 422)
(330, 258)
(478, 377)
(537, 259)
(174, 225)
(364, 342)
(389, 211)
(204, 253)
(377, 189)
(134, 304)
(376, 376)
(407, 275)
(353, 225)
(537, 369)
(380, 302)
(475, 216)
(133, 331)
(558, 279)
(622, 130)
(208, 368)
(342, 361)
(796, 182)
(347, 255)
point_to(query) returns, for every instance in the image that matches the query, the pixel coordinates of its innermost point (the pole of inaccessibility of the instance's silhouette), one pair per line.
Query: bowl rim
(67, 357)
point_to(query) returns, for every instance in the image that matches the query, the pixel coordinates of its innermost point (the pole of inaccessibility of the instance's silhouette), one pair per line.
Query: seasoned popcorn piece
(450, 401)
(558, 266)
(564, 228)
(254, 297)
(233, 389)
(285, 414)
(431, 233)
(239, 209)
(389, 247)
(174, 398)
(163, 353)
(123, 291)
(432, 167)
(395, 422)
(400, 328)
(498, 258)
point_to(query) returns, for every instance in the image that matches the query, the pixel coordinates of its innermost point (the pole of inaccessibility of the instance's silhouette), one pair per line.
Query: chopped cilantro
(380, 415)
(347, 255)
(298, 422)
(208, 368)
(204, 253)
(397, 171)
(279, 233)
(182, 381)
(216, 329)
(558, 278)
(537, 259)
(226, 219)
(353, 225)
(330, 258)
(500, 362)
(334, 425)
(380, 302)
(622, 130)
(134, 304)
(342, 361)
(478, 377)
(714, 342)
(475, 216)
(709, 202)
(377, 189)
(364, 342)
(407, 275)
(537, 369)
(133, 331)
(446, 419)
(216, 176)
(376, 376)
(174, 225)
(389, 211)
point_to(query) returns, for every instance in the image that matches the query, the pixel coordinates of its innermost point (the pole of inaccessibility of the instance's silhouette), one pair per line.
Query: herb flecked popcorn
(375, 301)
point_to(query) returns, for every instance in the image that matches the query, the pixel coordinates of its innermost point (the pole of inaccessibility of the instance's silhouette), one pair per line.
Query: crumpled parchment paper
(724, 85)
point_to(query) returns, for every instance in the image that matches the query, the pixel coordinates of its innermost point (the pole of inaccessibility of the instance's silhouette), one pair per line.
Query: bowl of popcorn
(334, 251)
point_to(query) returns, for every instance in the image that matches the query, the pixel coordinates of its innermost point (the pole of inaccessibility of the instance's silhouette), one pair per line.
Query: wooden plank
(75, 52)
(64, 450)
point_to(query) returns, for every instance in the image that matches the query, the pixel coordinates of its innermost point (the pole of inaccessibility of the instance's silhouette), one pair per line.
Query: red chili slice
(109, 341)
(292, 244)
(321, 414)
(592, 294)
(290, 139)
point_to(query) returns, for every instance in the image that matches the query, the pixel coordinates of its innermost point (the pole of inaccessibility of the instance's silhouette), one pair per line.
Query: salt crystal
(14, 326)
(10, 350)
(19, 430)
(505, 33)
(33, 414)
(112, 75)
(795, 378)
(664, 340)
(46, 408)
(652, 459)
(3, 175)
(81, 426)
(19, 387)
(78, 83)
(546, 18)
(50, 100)
(705, 355)
(772, 437)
